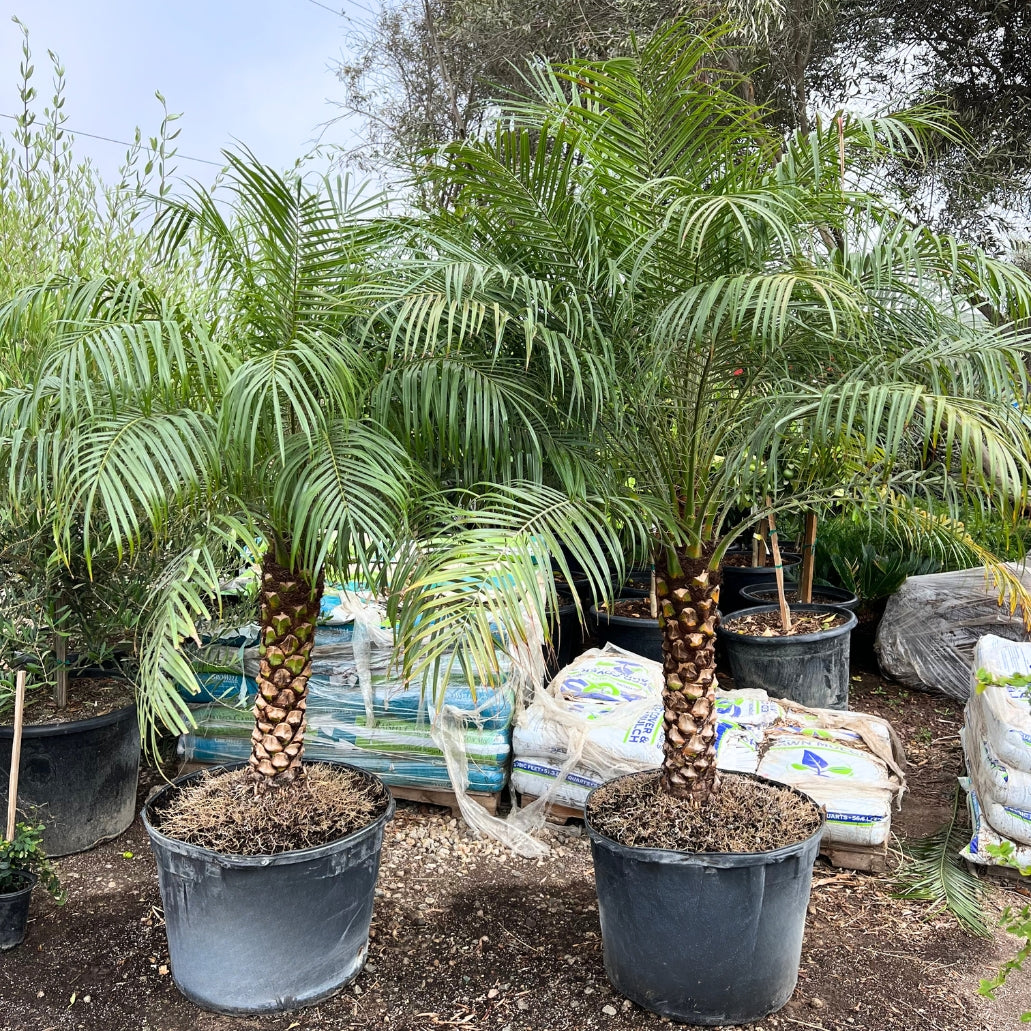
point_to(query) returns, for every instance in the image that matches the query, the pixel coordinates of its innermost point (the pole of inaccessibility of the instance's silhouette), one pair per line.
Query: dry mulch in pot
(767, 624)
(742, 815)
(87, 697)
(221, 811)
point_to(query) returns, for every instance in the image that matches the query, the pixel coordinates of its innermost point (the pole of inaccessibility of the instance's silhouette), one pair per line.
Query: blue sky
(256, 71)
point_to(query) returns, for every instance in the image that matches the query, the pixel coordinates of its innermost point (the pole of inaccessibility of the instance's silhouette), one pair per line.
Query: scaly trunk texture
(289, 612)
(688, 619)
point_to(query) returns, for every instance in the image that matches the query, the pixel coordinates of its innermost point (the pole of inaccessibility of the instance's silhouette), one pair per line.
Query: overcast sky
(253, 70)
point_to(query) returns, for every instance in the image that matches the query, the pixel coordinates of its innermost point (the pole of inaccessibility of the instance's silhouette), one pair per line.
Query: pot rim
(617, 620)
(33, 880)
(237, 861)
(749, 590)
(711, 859)
(70, 726)
(787, 558)
(821, 635)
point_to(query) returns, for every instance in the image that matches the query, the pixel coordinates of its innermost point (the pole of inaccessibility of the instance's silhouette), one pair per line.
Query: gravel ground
(466, 935)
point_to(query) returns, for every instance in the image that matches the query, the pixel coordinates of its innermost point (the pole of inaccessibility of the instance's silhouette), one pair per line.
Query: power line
(123, 143)
(341, 12)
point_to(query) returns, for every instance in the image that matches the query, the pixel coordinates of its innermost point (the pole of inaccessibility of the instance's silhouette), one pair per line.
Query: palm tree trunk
(688, 617)
(289, 612)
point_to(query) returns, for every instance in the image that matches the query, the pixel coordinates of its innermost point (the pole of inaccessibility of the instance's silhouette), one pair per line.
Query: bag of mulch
(401, 739)
(342, 698)
(985, 837)
(750, 705)
(423, 772)
(538, 777)
(1004, 710)
(994, 780)
(856, 787)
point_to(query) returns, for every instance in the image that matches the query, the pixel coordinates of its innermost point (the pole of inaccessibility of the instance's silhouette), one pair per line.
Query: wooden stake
(805, 576)
(61, 680)
(12, 783)
(778, 569)
(654, 598)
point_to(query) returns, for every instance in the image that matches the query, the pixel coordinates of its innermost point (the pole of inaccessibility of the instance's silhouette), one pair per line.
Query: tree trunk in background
(688, 619)
(289, 613)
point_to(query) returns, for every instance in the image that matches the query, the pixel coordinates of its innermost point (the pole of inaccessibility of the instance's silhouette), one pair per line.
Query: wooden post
(12, 783)
(61, 680)
(778, 569)
(805, 576)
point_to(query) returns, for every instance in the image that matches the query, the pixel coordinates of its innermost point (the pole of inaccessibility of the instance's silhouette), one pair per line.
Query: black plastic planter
(703, 938)
(567, 638)
(77, 778)
(766, 594)
(265, 934)
(638, 584)
(14, 914)
(811, 669)
(735, 578)
(640, 636)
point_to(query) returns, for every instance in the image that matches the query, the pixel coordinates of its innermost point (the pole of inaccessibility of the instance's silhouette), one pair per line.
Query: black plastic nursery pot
(77, 778)
(736, 578)
(218, 909)
(641, 636)
(766, 594)
(811, 669)
(703, 938)
(14, 913)
(568, 637)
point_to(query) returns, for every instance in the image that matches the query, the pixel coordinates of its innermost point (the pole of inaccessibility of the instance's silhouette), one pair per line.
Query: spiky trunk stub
(688, 619)
(289, 612)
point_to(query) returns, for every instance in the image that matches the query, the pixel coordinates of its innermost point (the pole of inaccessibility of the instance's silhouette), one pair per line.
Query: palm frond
(935, 873)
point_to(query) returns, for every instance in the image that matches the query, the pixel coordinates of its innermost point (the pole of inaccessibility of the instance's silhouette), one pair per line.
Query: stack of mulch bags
(602, 717)
(360, 710)
(996, 740)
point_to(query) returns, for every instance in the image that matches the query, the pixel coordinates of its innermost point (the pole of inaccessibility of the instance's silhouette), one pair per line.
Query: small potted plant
(71, 628)
(23, 864)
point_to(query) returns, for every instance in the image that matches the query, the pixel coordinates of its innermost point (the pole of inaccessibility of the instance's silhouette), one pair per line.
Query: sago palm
(757, 302)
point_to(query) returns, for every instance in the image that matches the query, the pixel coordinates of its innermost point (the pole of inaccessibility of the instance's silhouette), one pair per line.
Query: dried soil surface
(87, 697)
(467, 936)
(767, 624)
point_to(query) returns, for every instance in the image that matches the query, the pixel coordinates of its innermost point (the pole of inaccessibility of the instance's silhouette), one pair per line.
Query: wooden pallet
(865, 858)
(447, 799)
(557, 813)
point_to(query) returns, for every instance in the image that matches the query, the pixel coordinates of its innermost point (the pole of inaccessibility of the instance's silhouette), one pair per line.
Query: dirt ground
(467, 936)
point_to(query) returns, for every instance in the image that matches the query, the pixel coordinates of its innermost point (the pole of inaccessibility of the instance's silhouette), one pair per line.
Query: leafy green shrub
(22, 856)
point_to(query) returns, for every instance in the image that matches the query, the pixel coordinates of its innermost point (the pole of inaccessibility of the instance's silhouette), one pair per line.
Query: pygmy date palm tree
(282, 414)
(760, 302)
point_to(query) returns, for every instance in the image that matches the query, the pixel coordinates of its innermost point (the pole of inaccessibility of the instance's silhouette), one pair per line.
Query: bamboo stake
(805, 576)
(61, 680)
(778, 569)
(12, 783)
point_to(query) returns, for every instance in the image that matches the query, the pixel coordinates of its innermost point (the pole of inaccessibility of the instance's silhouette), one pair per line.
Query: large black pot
(264, 934)
(766, 594)
(703, 938)
(736, 578)
(14, 913)
(640, 636)
(568, 636)
(77, 778)
(811, 669)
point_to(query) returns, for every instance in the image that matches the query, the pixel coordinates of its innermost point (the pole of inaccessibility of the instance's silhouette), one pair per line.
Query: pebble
(609, 1011)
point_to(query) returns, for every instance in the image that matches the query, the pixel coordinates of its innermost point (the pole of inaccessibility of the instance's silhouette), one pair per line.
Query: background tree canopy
(426, 73)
